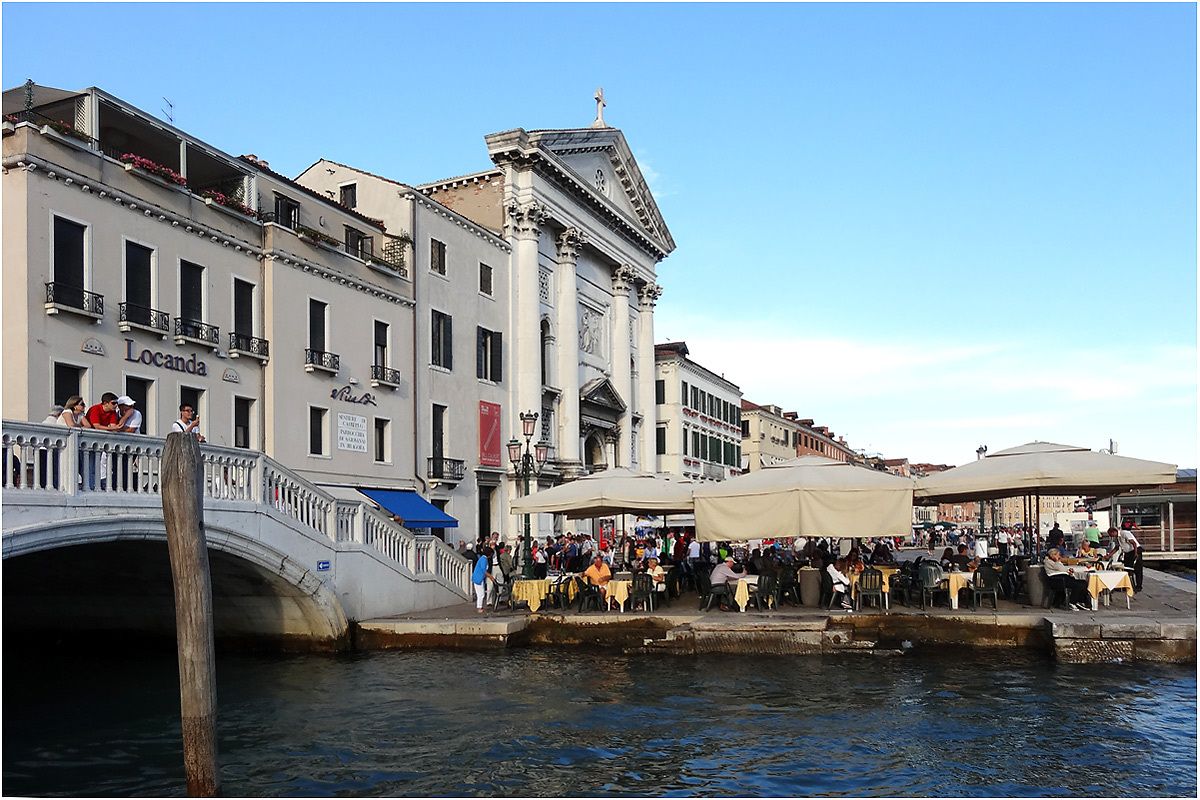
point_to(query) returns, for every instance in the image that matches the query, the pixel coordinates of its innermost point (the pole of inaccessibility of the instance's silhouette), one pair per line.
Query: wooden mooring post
(183, 513)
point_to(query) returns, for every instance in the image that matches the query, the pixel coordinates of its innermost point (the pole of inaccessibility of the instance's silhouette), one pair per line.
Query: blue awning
(415, 511)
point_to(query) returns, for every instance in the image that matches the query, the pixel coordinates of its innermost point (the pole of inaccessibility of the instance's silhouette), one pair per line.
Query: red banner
(489, 434)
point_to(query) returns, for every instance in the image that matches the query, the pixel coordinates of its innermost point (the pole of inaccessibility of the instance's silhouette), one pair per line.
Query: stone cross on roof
(600, 104)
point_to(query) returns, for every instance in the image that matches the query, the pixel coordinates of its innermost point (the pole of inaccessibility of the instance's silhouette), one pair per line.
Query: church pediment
(600, 161)
(600, 392)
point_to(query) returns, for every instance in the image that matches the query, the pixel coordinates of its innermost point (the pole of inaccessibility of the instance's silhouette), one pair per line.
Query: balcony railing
(197, 331)
(319, 359)
(386, 375)
(64, 128)
(447, 469)
(245, 344)
(73, 298)
(144, 317)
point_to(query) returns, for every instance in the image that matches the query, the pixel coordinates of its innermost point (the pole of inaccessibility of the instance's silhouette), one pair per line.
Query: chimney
(256, 161)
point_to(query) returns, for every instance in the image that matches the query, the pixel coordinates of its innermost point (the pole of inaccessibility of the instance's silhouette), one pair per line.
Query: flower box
(132, 161)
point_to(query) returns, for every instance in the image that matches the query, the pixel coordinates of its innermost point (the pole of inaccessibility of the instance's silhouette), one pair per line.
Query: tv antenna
(169, 111)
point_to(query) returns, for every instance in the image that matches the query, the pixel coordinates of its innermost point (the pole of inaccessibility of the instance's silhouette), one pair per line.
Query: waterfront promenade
(1160, 626)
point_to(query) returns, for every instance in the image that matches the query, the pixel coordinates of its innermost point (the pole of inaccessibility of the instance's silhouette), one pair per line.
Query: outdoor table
(888, 572)
(532, 591)
(617, 590)
(955, 582)
(809, 579)
(1110, 580)
(741, 590)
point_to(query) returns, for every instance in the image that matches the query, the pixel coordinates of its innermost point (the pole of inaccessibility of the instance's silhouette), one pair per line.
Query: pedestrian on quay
(480, 578)
(1131, 552)
(1002, 540)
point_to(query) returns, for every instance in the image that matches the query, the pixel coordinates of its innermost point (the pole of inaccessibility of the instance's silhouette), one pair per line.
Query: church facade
(579, 237)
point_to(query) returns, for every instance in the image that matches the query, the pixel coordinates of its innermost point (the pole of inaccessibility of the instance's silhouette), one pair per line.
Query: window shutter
(497, 358)
(481, 344)
(448, 343)
(435, 352)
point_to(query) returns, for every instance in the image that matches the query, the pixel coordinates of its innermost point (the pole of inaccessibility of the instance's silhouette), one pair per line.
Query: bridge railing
(41, 460)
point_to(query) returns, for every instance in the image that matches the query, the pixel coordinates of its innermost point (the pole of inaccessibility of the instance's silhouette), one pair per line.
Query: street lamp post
(980, 452)
(524, 464)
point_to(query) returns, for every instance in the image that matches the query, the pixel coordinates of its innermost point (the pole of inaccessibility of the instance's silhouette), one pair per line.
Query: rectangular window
(488, 355)
(68, 380)
(69, 262)
(189, 395)
(438, 439)
(729, 455)
(485, 278)
(348, 195)
(191, 294)
(317, 318)
(745, 429)
(695, 403)
(138, 390)
(381, 344)
(696, 444)
(383, 449)
(685, 440)
(287, 212)
(242, 407)
(703, 454)
(359, 244)
(714, 449)
(683, 395)
(317, 422)
(660, 392)
(139, 262)
(243, 307)
(660, 440)
(443, 340)
(437, 256)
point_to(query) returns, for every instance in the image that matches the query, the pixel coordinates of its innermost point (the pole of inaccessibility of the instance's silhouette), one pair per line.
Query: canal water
(561, 722)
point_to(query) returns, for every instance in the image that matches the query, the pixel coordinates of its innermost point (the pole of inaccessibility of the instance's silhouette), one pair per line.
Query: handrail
(45, 460)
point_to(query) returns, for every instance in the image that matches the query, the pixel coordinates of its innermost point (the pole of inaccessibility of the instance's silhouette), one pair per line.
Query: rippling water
(569, 723)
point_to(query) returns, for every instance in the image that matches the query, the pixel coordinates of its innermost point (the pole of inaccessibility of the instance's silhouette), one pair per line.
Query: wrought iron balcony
(193, 330)
(319, 359)
(133, 315)
(76, 299)
(243, 344)
(384, 375)
(447, 469)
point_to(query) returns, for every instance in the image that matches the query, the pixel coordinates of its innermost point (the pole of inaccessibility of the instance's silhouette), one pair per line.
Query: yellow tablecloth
(741, 590)
(569, 580)
(531, 591)
(1113, 580)
(619, 591)
(888, 572)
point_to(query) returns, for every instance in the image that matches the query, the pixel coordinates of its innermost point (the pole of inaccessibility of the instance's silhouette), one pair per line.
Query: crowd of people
(113, 414)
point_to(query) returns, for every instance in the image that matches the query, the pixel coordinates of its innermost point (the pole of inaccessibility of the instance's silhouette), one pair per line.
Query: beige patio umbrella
(612, 491)
(807, 496)
(1042, 467)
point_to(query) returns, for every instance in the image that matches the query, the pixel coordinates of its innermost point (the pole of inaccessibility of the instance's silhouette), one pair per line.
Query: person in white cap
(131, 418)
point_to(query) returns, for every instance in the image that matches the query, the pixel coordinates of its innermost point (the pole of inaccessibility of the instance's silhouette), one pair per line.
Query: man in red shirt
(103, 417)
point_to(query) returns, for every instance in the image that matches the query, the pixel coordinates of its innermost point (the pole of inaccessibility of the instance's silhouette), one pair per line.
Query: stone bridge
(84, 545)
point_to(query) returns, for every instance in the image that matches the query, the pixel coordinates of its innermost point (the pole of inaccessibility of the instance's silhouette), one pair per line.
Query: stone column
(525, 363)
(621, 379)
(568, 352)
(647, 296)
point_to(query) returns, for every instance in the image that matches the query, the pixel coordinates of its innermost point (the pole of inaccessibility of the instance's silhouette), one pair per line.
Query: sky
(928, 227)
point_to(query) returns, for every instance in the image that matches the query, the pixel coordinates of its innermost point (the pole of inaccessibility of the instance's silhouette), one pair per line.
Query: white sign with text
(352, 433)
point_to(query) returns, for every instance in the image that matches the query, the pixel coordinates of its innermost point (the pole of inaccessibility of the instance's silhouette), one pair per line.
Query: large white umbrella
(1042, 467)
(807, 496)
(612, 491)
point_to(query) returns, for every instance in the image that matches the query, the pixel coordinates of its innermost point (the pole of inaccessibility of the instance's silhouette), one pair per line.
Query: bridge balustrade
(53, 460)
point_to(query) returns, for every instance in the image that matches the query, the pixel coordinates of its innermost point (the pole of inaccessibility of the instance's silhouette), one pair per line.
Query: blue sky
(927, 226)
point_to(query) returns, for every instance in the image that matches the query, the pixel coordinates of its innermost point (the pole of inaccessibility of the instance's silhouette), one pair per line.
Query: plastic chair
(827, 590)
(642, 589)
(503, 595)
(929, 580)
(1054, 585)
(987, 583)
(789, 587)
(766, 592)
(588, 595)
(870, 584)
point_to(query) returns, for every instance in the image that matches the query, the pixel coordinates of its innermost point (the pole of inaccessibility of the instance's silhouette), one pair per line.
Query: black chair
(987, 584)
(1053, 585)
(587, 594)
(559, 595)
(789, 587)
(870, 584)
(643, 590)
(827, 590)
(503, 595)
(704, 589)
(929, 581)
(676, 580)
(765, 593)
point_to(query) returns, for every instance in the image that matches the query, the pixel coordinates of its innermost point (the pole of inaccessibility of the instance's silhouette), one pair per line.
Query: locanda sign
(190, 365)
(345, 393)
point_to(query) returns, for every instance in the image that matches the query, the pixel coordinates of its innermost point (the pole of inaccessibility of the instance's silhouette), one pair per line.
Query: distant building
(768, 437)
(699, 417)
